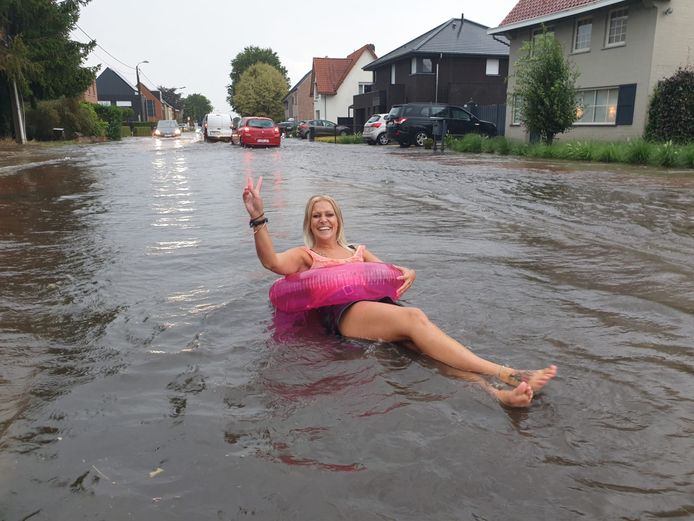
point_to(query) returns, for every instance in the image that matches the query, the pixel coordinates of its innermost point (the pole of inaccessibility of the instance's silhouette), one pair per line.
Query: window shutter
(625, 104)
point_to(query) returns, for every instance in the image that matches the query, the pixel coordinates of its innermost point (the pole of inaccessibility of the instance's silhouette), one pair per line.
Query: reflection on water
(144, 374)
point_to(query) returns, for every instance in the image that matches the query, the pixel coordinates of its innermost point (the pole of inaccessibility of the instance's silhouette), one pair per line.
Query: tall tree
(170, 96)
(260, 91)
(545, 88)
(245, 59)
(196, 106)
(37, 54)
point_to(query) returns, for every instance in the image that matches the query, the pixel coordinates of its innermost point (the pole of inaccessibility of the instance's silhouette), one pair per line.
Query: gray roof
(449, 38)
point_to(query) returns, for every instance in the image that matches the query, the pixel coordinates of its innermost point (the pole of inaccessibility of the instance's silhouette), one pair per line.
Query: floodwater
(142, 375)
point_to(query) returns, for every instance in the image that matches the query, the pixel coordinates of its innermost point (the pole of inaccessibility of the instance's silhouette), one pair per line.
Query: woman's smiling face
(324, 224)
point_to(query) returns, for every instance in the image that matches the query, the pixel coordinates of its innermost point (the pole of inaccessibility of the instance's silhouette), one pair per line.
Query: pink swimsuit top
(323, 262)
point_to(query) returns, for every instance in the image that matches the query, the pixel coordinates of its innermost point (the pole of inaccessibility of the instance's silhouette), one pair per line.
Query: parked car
(167, 128)
(287, 127)
(322, 127)
(411, 123)
(375, 130)
(216, 127)
(256, 131)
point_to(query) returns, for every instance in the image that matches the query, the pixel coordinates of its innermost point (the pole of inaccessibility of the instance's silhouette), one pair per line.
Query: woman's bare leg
(379, 321)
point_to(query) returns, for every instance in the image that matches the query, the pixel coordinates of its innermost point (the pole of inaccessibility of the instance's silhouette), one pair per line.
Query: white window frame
(581, 22)
(493, 67)
(124, 103)
(417, 65)
(392, 74)
(362, 85)
(105, 103)
(617, 16)
(610, 106)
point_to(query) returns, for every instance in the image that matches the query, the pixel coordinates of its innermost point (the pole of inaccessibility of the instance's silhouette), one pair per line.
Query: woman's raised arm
(285, 263)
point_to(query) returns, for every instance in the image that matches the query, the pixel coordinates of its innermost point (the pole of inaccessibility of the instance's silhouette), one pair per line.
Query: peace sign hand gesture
(252, 199)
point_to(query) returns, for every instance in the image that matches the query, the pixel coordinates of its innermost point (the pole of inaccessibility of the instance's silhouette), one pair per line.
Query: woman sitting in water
(378, 320)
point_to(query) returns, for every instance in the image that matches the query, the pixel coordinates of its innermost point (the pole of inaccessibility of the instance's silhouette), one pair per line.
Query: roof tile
(329, 73)
(529, 9)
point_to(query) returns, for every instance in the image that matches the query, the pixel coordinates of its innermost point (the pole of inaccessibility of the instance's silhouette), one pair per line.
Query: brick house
(621, 48)
(298, 104)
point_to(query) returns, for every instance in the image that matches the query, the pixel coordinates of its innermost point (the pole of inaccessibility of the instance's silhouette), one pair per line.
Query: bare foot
(518, 397)
(535, 379)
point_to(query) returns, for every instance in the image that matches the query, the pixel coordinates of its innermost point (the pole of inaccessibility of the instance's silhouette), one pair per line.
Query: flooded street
(143, 376)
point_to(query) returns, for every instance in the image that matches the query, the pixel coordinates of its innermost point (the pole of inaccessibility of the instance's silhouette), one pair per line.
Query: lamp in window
(612, 112)
(579, 111)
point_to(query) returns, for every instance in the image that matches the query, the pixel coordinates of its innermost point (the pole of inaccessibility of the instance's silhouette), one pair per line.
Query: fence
(494, 113)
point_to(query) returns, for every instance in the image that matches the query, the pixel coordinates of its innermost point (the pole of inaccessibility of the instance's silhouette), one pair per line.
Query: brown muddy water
(142, 375)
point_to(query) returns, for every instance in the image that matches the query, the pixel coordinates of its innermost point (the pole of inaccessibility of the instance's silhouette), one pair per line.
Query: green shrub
(342, 140)
(637, 152)
(41, 120)
(428, 143)
(125, 131)
(74, 117)
(671, 108)
(687, 156)
(580, 150)
(500, 145)
(142, 131)
(113, 117)
(606, 153)
(665, 154)
(541, 150)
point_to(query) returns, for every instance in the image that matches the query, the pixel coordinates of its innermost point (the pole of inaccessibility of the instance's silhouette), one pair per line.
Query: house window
(492, 67)
(149, 104)
(105, 103)
(364, 87)
(597, 106)
(124, 103)
(422, 65)
(583, 32)
(316, 96)
(392, 74)
(617, 27)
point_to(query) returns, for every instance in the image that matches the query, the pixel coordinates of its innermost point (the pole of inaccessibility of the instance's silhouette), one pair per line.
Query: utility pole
(16, 102)
(139, 91)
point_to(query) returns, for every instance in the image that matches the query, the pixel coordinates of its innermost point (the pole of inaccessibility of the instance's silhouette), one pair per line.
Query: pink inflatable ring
(335, 285)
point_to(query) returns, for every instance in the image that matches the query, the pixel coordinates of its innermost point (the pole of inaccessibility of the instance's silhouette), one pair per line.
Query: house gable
(110, 84)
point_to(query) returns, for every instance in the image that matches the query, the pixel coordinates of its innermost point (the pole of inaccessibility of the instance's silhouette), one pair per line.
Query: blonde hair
(309, 240)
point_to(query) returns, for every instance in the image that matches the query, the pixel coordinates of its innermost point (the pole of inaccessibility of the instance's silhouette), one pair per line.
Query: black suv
(411, 123)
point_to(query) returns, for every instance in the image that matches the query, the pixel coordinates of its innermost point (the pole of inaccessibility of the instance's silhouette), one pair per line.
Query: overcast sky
(191, 43)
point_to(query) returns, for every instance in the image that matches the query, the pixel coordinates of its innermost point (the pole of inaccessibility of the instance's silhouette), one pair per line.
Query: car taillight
(376, 125)
(277, 131)
(400, 121)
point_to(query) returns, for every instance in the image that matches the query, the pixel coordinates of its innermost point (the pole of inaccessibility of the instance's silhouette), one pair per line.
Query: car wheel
(419, 138)
(383, 139)
(343, 132)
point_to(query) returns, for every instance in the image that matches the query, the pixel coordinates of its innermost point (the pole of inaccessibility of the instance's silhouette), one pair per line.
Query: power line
(100, 47)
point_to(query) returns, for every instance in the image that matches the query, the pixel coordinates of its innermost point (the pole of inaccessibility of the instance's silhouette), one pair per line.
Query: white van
(216, 127)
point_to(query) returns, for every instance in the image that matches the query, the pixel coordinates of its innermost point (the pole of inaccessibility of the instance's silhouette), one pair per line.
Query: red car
(256, 131)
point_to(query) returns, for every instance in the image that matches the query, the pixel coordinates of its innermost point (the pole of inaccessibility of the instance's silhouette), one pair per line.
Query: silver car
(167, 128)
(375, 130)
